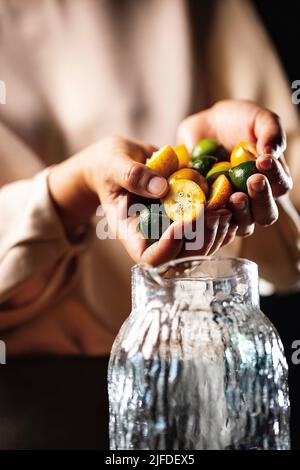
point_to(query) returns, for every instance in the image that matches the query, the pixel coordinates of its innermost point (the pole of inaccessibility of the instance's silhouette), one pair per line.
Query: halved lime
(220, 168)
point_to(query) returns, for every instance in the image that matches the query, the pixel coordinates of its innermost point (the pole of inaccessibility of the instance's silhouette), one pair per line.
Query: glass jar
(197, 365)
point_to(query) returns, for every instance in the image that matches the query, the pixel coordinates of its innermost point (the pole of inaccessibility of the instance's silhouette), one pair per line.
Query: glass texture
(197, 365)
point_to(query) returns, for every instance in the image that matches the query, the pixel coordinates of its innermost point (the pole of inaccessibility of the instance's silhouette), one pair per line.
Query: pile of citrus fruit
(204, 178)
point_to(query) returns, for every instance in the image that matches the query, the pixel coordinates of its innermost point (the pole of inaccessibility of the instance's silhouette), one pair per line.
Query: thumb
(136, 178)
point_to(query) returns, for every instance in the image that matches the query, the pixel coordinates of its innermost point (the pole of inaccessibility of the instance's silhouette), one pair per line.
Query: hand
(230, 122)
(112, 171)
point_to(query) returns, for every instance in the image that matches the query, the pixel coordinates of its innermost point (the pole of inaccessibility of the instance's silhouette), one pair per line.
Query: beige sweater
(76, 71)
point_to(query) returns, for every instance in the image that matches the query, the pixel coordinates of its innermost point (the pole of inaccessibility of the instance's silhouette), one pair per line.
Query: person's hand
(230, 122)
(112, 172)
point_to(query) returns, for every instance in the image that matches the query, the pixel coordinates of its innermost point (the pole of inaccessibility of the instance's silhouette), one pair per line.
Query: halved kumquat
(243, 152)
(220, 192)
(192, 175)
(164, 161)
(184, 201)
(183, 156)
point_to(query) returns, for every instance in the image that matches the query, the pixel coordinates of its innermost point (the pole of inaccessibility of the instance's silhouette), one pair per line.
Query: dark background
(281, 19)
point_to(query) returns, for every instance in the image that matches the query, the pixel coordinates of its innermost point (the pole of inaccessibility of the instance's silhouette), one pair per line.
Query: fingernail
(258, 186)
(157, 185)
(265, 163)
(212, 222)
(241, 205)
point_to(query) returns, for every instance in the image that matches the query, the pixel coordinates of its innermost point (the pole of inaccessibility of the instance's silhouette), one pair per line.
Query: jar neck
(196, 282)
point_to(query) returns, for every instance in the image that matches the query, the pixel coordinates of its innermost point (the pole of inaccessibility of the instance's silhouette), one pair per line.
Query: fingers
(269, 133)
(210, 232)
(115, 164)
(277, 174)
(215, 231)
(136, 178)
(228, 121)
(231, 121)
(264, 209)
(166, 248)
(239, 204)
(224, 223)
(126, 229)
(219, 231)
(231, 234)
(194, 128)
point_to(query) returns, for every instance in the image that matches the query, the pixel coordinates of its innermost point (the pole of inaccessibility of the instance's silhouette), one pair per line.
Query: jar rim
(155, 273)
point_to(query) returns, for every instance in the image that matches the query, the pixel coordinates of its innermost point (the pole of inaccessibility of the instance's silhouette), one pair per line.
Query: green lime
(204, 147)
(153, 222)
(239, 175)
(204, 164)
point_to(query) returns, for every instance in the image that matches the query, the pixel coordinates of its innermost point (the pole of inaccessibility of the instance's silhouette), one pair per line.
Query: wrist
(74, 201)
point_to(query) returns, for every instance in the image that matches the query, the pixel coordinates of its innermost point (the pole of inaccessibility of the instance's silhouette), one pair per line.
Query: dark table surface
(54, 403)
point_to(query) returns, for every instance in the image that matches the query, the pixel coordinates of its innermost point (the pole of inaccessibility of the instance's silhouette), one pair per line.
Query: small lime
(153, 223)
(204, 147)
(204, 164)
(240, 174)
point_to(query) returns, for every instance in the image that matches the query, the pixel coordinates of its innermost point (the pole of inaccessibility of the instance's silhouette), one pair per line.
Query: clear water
(183, 378)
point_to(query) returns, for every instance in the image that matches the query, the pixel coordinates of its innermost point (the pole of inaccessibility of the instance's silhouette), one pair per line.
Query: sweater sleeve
(33, 242)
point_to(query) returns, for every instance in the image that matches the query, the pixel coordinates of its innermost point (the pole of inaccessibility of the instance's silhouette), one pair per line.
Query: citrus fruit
(152, 223)
(243, 152)
(183, 156)
(220, 192)
(184, 201)
(220, 168)
(204, 147)
(164, 161)
(239, 175)
(204, 164)
(190, 174)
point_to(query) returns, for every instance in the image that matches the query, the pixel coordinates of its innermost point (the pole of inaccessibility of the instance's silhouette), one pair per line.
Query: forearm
(35, 254)
(74, 201)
